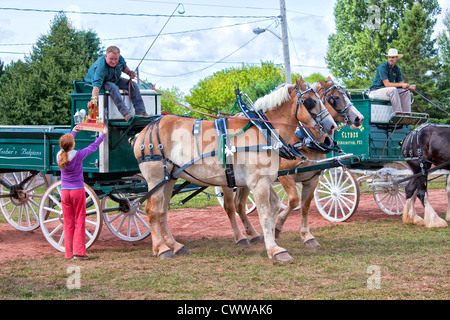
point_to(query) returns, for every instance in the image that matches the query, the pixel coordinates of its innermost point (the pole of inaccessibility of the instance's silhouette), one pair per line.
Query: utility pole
(284, 39)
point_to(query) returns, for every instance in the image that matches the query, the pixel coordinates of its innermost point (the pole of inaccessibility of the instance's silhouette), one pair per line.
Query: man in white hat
(389, 82)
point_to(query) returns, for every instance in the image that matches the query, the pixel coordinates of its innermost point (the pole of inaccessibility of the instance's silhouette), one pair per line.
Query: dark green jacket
(100, 72)
(384, 71)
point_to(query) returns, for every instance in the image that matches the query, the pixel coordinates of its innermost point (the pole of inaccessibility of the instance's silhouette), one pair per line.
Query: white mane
(274, 99)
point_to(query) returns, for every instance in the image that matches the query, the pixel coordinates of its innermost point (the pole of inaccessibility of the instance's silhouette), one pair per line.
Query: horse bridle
(342, 112)
(317, 117)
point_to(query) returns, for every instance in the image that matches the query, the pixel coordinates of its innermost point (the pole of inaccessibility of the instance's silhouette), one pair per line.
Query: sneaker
(77, 257)
(143, 114)
(127, 116)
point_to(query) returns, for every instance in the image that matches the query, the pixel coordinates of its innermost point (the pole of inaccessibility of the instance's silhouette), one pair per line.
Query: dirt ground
(211, 222)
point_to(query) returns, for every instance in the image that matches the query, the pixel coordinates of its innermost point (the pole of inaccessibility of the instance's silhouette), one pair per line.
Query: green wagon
(29, 175)
(377, 144)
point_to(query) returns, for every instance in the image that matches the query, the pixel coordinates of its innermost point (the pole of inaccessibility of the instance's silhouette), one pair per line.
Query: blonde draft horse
(342, 110)
(178, 147)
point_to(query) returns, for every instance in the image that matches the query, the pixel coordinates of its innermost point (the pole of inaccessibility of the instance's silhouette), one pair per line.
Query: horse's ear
(329, 78)
(321, 82)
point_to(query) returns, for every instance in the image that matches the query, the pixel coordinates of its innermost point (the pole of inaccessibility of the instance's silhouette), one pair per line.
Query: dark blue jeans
(135, 95)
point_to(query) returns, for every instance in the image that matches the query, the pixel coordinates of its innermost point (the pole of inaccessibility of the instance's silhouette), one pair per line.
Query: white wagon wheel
(283, 195)
(391, 198)
(51, 216)
(20, 203)
(337, 195)
(250, 206)
(124, 218)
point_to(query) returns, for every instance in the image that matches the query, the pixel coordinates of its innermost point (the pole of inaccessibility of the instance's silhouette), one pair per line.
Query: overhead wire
(207, 67)
(188, 31)
(261, 17)
(135, 14)
(213, 64)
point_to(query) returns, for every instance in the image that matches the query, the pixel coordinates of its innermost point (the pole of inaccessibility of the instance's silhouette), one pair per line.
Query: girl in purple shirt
(73, 197)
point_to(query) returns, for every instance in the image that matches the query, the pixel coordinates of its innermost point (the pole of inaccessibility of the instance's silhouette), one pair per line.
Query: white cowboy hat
(394, 53)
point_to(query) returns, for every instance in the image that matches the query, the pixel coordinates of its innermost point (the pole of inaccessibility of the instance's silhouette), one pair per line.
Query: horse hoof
(243, 243)
(437, 223)
(259, 239)
(282, 257)
(312, 243)
(183, 252)
(166, 255)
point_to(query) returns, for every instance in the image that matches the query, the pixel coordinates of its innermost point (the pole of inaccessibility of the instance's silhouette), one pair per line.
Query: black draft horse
(423, 147)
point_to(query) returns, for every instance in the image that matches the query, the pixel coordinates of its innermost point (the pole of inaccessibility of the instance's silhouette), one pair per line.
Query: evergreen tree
(420, 60)
(2, 64)
(364, 31)
(35, 92)
(442, 93)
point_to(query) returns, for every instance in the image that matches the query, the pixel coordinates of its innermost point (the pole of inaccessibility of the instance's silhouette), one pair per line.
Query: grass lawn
(374, 260)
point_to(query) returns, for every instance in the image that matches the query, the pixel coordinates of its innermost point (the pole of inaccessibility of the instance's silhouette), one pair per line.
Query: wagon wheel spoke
(125, 219)
(20, 203)
(389, 198)
(337, 194)
(52, 220)
(282, 194)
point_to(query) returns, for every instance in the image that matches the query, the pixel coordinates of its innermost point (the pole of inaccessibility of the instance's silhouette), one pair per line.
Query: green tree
(314, 77)
(420, 62)
(217, 91)
(35, 92)
(2, 65)
(171, 105)
(364, 31)
(443, 84)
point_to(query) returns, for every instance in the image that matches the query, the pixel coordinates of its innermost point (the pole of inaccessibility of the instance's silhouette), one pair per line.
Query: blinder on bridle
(309, 104)
(332, 101)
(307, 138)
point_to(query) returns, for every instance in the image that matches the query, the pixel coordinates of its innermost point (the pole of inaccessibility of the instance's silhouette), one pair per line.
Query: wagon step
(408, 118)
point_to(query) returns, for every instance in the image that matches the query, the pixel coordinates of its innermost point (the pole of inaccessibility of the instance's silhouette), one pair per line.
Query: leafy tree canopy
(35, 91)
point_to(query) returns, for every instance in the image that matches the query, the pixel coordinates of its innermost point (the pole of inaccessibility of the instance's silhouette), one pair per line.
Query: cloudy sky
(209, 36)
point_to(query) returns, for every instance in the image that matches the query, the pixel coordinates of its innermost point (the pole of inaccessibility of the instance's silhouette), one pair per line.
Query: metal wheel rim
(337, 195)
(51, 219)
(23, 214)
(389, 198)
(128, 226)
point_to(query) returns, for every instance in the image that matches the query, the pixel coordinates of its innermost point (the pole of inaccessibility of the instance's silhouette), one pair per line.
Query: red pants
(74, 213)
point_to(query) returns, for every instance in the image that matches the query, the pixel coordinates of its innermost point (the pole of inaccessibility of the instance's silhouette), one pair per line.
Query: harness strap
(226, 151)
(440, 166)
(413, 145)
(173, 175)
(151, 156)
(196, 131)
(308, 139)
(266, 128)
